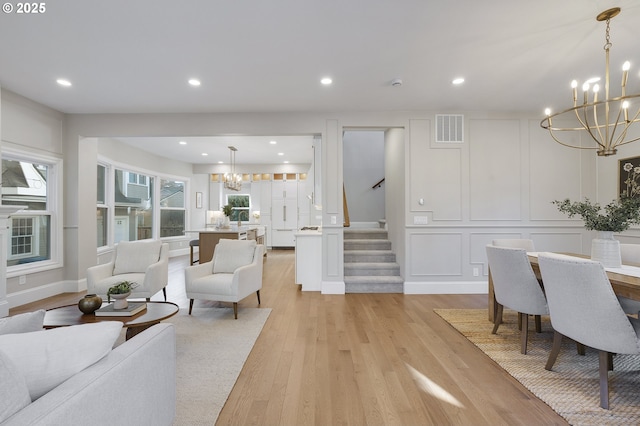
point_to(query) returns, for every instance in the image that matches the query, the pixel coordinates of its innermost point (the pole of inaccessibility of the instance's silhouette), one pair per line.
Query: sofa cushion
(49, 357)
(22, 323)
(136, 256)
(231, 254)
(14, 393)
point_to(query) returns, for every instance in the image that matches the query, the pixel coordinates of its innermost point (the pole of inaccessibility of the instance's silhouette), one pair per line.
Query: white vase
(120, 301)
(606, 250)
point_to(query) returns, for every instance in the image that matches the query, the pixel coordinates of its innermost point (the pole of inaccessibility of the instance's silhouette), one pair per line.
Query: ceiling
(250, 149)
(125, 56)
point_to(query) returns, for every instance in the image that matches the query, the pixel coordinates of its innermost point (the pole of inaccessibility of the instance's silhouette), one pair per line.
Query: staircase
(369, 264)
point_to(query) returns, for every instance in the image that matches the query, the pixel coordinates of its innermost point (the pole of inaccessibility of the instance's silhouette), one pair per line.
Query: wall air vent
(449, 128)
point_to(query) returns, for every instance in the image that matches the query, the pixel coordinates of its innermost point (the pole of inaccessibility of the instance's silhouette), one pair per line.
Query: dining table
(625, 280)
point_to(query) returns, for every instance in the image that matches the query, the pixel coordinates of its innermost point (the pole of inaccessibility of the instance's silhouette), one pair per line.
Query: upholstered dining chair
(522, 243)
(144, 262)
(233, 274)
(583, 307)
(516, 287)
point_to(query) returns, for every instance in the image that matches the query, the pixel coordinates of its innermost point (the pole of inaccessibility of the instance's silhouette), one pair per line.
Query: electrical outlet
(476, 272)
(22, 279)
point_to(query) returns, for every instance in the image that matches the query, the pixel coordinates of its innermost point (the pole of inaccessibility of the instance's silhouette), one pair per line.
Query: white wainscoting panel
(435, 254)
(495, 172)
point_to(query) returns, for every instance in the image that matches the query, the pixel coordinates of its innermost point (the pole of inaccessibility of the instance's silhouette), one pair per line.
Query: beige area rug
(212, 348)
(572, 388)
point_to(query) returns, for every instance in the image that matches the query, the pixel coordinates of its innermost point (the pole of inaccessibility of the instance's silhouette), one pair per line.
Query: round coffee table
(64, 316)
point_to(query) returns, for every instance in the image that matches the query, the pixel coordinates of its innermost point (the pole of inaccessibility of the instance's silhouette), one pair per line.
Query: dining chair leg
(538, 319)
(604, 379)
(497, 318)
(580, 348)
(235, 310)
(519, 321)
(555, 350)
(524, 334)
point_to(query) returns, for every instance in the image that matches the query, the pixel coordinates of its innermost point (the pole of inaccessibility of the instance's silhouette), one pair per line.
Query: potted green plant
(617, 216)
(120, 292)
(227, 210)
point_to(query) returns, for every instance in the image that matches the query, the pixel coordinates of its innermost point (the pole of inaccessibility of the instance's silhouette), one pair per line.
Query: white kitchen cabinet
(284, 212)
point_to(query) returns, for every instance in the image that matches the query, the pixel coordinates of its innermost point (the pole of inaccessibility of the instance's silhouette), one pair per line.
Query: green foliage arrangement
(121, 288)
(227, 210)
(617, 216)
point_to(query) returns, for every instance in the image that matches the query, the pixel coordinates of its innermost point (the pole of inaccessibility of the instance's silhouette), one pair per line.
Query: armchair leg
(258, 293)
(235, 310)
(164, 291)
(190, 306)
(555, 349)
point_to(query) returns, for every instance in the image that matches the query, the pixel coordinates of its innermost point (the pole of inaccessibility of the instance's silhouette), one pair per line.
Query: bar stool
(192, 244)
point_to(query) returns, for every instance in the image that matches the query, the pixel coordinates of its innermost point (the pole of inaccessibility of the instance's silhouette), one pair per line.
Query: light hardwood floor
(360, 359)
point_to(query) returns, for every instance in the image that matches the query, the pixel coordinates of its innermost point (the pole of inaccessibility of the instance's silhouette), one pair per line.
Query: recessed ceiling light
(220, 162)
(286, 162)
(194, 82)
(281, 153)
(273, 142)
(63, 82)
(204, 154)
(182, 142)
(593, 80)
(326, 81)
(458, 80)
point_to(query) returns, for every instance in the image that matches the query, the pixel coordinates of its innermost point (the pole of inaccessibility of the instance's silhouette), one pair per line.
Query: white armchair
(233, 274)
(145, 262)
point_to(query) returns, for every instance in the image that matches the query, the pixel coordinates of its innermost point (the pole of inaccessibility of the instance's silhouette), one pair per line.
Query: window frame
(112, 165)
(54, 210)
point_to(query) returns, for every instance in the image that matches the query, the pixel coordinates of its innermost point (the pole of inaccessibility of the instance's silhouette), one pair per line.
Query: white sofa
(134, 384)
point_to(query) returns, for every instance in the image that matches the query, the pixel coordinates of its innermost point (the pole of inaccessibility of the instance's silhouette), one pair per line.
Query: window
(172, 208)
(133, 202)
(33, 183)
(102, 211)
(240, 207)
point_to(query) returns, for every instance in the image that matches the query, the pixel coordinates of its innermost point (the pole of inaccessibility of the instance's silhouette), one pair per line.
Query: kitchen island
(209, 237)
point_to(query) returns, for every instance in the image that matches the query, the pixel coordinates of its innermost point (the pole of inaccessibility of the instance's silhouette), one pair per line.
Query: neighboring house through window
(35, 238)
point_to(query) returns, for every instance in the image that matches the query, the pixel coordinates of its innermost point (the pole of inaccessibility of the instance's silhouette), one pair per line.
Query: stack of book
(132, 309)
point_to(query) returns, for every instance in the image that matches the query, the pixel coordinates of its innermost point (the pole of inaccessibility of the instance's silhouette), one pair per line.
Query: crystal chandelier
(604, 122)
(232, 180)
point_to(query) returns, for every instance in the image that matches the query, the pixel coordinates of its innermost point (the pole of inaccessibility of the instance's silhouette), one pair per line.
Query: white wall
(364, 157)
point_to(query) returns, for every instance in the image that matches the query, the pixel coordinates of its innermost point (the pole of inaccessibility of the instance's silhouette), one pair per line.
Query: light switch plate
(420, 220)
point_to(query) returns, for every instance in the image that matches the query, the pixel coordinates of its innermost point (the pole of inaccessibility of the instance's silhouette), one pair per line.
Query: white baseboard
(332, 287)
(23, 297)
(446, 287)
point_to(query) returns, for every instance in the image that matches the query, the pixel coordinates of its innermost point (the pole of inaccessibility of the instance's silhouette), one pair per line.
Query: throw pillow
(49, 357)
(136, 256)
(229, 255)
(14, 394)
(22, 323)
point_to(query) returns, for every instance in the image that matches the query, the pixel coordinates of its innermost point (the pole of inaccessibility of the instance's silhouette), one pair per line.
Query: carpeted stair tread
(359, 256)
(367, 244)
(371, 268)
(365, 233)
